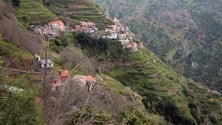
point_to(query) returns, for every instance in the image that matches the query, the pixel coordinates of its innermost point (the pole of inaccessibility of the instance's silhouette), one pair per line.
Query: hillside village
(51, 30)
(116, 32)
(89, 80)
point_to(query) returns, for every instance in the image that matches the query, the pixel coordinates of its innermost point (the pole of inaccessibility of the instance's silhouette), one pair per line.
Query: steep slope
(163, 94)
(73, 11)
(185, 34)
(17, 91)
(33, 12)
(179, 100)
(21, 88)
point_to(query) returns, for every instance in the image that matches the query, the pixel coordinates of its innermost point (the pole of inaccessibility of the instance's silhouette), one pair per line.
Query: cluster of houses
(51, 30)
(82, 80)
(41, 65)
(116, 31)
(87, 27)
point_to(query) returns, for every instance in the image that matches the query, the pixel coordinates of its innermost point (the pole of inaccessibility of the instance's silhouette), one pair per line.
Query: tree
(16, 3)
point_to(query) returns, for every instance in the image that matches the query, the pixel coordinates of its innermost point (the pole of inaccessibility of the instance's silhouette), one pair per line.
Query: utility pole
(44, 78)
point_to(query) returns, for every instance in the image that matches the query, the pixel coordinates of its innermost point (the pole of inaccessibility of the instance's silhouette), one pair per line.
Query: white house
(112, 35)
(122, 36)
(124, 42)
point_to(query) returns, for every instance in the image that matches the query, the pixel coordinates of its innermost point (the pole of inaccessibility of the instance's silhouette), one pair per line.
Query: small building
(121, 28)
(89, 82)
(57, 24)
(87, 27)
(116, 21)
(100, 34)
(124, 42)
(40, 64)
(112, 35)
(127, 46)
(109, 29)
(46, 63)
(87, 24)
(140, 45)
(87, 30)
(77, 28)
(122, 36)
(133, 47)
(89, 78)
(64, 74)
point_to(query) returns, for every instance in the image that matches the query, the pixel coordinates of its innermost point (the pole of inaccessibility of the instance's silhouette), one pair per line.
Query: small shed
(89, 78)
(89, 82)
(64, 74)
(46, 63)
(140, 45)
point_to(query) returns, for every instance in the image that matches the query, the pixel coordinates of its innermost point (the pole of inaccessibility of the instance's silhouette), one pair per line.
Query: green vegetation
(62, 41)
(9, 49)
(16, 3)
(19, 107)
(33, 12)
(160, 87)
(78, 10)
(91, 116)
(163, 94)
(185, 34)
(164, 91)
(13, 101)
(113, 84)
(105, 49)
(130, 116)
(18, 91)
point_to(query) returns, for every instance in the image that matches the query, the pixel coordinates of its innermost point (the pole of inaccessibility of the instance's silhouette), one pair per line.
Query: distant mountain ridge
(186, 34)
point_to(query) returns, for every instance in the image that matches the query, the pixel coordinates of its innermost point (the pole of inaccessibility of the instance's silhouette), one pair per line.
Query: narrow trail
(17, 71)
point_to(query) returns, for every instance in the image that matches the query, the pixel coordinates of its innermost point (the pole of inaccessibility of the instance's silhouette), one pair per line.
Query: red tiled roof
(89, 78)
(134, 44)
(59, 23)
(64, 73)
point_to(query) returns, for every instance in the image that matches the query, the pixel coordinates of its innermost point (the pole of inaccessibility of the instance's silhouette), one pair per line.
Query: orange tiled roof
(58, 22)
(89, 78)
(64, 73)
(134, 44)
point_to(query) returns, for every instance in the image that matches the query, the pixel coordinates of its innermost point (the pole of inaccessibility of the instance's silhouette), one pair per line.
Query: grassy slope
(116, 86)
(12, 103)
(187, 31)
(33, 12)
(164, 91)
(10, 49)
(159, 85)
(79, 10)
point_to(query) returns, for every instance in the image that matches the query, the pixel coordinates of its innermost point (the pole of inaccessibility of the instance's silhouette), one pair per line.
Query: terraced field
(154, 81)
(33, 12)
(79, 10)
